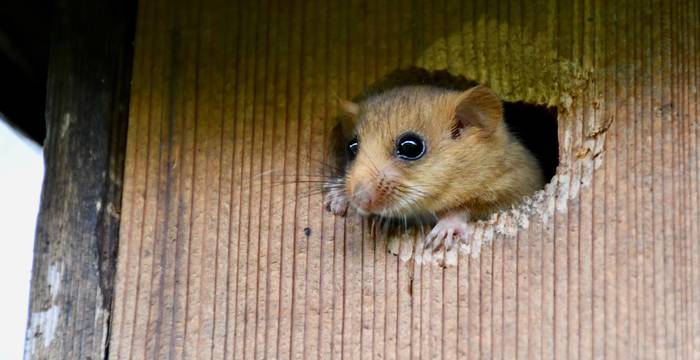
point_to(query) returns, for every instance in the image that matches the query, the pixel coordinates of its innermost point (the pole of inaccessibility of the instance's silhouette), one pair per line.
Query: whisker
(300, 181)
(272, 176)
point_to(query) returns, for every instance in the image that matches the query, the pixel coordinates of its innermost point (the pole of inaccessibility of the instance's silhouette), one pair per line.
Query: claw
(337, 204)
(450, 230)
(449, 243)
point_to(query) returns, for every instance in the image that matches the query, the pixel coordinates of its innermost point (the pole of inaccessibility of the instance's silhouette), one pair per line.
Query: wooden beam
(77, 231)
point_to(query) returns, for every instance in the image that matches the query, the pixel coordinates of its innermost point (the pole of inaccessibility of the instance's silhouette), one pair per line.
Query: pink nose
(364, 197)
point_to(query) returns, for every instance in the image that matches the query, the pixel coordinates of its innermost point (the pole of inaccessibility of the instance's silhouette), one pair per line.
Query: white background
(21, 174)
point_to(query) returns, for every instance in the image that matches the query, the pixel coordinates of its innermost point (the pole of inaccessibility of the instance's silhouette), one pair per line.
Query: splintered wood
(226, 251)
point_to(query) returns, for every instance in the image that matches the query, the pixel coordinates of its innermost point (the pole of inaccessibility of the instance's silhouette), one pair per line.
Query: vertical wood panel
(226, 251)
(87, 105)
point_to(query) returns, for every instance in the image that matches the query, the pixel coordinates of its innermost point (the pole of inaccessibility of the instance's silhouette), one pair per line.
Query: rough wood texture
(78, 226)
(218, 261)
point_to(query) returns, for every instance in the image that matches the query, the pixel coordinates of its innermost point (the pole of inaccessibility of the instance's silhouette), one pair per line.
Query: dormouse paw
(336, 204)
(448, 232)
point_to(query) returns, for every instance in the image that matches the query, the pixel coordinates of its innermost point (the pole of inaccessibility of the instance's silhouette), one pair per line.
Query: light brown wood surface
(227, 96)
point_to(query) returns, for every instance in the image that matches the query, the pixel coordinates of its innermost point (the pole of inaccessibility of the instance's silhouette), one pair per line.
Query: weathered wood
(219, 261)
(78, 226)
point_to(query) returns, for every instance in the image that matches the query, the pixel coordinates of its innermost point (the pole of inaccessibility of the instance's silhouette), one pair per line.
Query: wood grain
(226, 252)
(75, 249)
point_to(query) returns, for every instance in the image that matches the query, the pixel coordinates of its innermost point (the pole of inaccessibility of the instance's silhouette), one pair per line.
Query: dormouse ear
(478, 107)
(349, 107)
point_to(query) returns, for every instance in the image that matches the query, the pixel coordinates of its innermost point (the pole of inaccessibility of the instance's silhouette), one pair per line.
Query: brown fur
(472, 162)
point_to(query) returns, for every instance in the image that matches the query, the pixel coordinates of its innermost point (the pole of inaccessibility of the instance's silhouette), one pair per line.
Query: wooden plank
(599, 263)
(79, 220)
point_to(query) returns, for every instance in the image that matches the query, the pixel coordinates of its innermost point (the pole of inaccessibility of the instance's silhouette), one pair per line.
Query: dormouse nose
(364, 196)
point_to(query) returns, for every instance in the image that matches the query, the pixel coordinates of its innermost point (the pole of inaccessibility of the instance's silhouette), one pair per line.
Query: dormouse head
(414, 146)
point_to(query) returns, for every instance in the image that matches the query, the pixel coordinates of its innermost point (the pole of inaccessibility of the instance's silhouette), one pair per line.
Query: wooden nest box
(196, 253)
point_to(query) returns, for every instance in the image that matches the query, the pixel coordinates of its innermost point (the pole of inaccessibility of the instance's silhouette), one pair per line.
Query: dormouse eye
(410, 146)
(353, 147)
